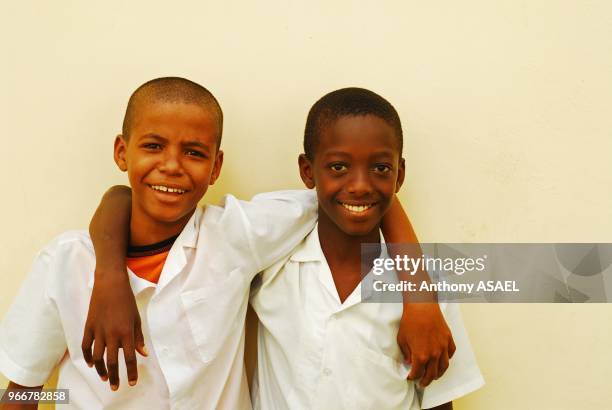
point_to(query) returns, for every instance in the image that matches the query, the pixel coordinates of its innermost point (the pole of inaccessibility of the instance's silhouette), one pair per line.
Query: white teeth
(357, 208)
(166, 189)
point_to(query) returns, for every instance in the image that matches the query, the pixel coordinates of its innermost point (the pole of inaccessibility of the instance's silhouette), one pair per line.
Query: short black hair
(352, 101)
(172, 89)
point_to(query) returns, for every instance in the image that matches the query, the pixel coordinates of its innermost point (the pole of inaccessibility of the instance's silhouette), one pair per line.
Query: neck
(144, 230)
(342, 249)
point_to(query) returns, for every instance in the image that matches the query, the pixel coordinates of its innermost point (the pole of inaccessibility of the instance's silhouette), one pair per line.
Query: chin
(354, 229)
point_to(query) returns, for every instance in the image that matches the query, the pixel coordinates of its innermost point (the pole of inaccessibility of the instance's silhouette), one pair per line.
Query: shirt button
(327, 371)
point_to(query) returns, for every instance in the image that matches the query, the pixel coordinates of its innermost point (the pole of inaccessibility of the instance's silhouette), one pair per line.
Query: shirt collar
(188, 238)
(310, 248)
(310, 251)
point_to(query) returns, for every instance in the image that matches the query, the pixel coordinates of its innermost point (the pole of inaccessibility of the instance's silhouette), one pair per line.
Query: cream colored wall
(505, 106)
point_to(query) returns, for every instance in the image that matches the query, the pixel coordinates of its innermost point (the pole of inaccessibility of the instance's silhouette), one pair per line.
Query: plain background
(505, 108)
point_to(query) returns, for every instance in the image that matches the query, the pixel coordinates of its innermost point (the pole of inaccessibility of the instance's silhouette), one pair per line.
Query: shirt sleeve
(273, 223)
(463, 375)
(32, 339)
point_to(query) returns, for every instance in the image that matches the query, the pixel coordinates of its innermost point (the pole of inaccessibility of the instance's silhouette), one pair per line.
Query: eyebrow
(187, 144)
(377, 154)
(156, 137)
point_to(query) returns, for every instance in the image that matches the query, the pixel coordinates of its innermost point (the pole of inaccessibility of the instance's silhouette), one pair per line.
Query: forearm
(113, 320)
(110, 228)
(15, 405)
(403, 242)
(396, 226)
(423, 335)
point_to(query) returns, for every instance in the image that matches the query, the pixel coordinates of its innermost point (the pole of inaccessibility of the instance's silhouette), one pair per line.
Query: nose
(171, 162)
(359, 183)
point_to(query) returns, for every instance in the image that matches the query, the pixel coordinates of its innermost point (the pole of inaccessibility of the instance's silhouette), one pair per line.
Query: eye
(152, 146)
(382, 168)
(195, 153)
(338, 167)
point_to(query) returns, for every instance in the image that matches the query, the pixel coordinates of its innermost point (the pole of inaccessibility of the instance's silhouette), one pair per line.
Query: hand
(426, 341)
(113, 322)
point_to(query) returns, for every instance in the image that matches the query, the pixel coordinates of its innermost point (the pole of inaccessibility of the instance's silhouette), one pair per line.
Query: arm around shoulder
(274, 223)
(110, 229)
(112, 296)
(424, 336)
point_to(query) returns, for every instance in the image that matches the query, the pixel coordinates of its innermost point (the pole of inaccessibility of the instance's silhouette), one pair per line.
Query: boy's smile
(167, 193)
(356, 170)
(358, 208)
(171, 157)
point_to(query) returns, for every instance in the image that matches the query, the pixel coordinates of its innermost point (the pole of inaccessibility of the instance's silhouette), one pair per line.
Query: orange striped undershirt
(147, 262)
(148, 267)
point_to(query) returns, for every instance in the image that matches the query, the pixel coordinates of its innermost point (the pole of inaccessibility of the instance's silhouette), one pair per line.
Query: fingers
(408, 357)
(431, 366)
(405, 351)
(139, 340)
(112, 353)
(86, 347)
(98, 358)
(131, 365)
(442, 365)
(431, 372)
(418, 367)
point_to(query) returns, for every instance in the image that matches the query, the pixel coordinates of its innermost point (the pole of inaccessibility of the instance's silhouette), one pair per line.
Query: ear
(216, 167)
(306, 171)
(120, 152)
(401, 173)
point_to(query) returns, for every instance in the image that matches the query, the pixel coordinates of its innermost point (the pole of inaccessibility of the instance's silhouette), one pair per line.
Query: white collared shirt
(315, 352)
(193, 319)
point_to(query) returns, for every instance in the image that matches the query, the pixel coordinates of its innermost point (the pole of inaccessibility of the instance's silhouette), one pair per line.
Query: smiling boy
(173, 158)
(169, 147)
(321, 343)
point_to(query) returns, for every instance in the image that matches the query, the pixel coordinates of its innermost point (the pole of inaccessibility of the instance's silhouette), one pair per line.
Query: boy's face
(357, 169)
(171, 158)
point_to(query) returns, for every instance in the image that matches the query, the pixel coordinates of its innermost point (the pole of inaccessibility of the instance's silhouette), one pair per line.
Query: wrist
(410, 307)
(111, 274)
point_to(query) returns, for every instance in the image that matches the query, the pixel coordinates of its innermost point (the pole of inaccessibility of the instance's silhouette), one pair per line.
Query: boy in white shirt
(321, 344)
(181, 259)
